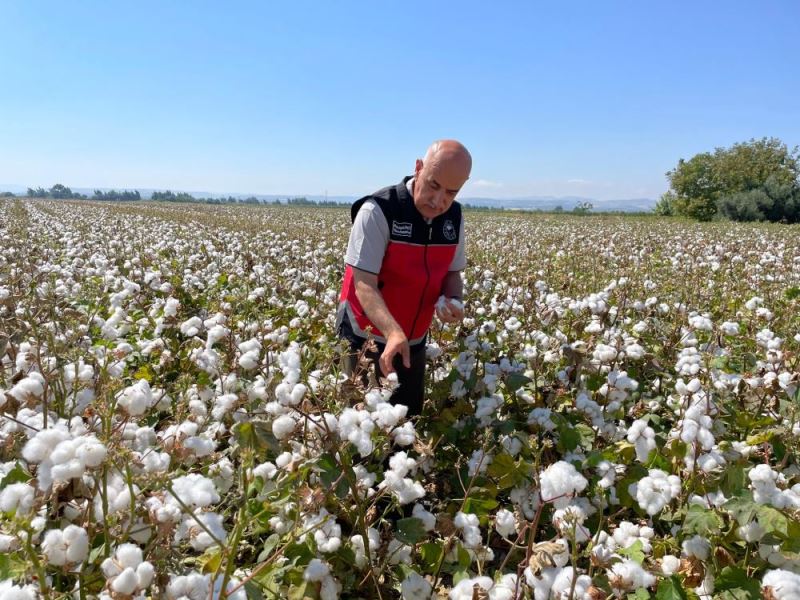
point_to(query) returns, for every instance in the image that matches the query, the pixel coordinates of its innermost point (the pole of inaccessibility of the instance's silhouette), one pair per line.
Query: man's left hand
(449, 310)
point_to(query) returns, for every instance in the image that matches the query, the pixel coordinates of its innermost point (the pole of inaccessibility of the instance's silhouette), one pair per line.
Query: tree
(665, 205)
(60, 192)
(755, 180)
(583, 208)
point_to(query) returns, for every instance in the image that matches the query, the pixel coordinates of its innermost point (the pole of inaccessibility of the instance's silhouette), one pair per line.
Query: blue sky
(596, 99)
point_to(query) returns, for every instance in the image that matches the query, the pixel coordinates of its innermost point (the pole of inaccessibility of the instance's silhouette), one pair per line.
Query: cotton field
(616, 417)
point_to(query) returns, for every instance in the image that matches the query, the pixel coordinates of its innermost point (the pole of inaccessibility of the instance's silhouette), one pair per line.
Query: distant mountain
(523, 202)
(566, 202)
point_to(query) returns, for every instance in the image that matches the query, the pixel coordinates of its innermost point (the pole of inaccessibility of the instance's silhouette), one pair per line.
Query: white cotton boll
(670, 564)
(415, 587)
(266, 471)
(505, 523)
(129, 555)
(136, 399)
(398, 552)
(655, 491)
(784, 585)
(643, 438)
(9, 591)
(470, 529)
(145, 573)
(751, 532)
(464, 590)
(249, 360)
(428, 518)
(405, 435)
(562, 588)
(66, 547)
(559, 482)
(316, 570)
(194, 490)
(18, 498)
(31, 387)
(629, 575)
(479, 461)
(283, 426)
(696, 546)
(91, 452)
(205, 531)
(126, 582)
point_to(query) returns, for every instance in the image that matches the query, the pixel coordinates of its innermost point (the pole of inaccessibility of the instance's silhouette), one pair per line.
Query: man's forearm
(375, 308)
(453, 286)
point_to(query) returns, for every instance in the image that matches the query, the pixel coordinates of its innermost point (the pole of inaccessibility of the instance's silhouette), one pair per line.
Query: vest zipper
(427, 279)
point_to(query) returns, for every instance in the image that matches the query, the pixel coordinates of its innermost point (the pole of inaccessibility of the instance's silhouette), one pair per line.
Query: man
(406, 248)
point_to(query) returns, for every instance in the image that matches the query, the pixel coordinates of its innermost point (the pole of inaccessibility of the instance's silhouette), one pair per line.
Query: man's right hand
(396, 343)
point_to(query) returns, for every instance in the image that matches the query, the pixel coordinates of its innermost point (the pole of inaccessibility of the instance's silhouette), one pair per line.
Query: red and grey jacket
(415, 263)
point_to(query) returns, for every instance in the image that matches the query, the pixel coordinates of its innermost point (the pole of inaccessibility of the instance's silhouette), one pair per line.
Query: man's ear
(418, 166)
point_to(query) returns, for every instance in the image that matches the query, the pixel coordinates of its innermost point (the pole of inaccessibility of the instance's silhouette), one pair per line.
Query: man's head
(439, 176)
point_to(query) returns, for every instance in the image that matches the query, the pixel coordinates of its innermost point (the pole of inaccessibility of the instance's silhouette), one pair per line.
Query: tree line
(62, 192)
(758, 180)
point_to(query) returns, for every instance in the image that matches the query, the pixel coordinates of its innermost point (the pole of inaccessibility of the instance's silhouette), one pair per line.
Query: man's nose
(439, 198)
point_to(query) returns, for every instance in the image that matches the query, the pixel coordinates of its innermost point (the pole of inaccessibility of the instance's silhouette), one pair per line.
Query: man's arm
(369, 296)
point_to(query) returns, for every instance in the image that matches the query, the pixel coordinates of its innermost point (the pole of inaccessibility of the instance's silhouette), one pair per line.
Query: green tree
(665, 205)
(755, 180)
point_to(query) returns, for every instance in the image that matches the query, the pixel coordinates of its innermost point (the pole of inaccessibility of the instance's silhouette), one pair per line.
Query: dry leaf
(542, 555)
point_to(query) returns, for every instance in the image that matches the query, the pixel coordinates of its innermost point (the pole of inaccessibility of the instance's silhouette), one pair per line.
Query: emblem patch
(401, 229)
(449, 231)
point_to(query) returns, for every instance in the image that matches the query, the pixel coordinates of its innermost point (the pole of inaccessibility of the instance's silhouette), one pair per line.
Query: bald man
(406, 249)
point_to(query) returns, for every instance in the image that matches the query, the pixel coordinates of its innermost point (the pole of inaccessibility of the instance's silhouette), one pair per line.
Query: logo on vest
(449, 230)
(401, 229)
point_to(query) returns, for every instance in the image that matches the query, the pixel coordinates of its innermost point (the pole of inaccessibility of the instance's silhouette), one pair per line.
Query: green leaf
(252, 590)
(145, 372)
(306, 590)
(792, 293)
(702, 521)
(670, 589)
(742, 507)
(639, 594)
(506, 471)
(480, 502)
(738, 583)
(635, 551)
(329, 470)
(568, 437)
(773, 521)
(516, 380)
(256, 435)
(410, 530)
(15, 475)
(210, 560)
(269, 545)
(430, 554)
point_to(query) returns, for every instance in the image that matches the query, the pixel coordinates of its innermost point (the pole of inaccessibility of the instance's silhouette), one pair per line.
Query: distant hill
(524, 202)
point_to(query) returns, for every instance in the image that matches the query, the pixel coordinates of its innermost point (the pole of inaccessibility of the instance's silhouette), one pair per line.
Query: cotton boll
(696, 546)
(415, 587)
(126, 582)
(783, 585)
(428, 519)
(283, 426)
(505, 523)
(464, 590)
(66, 547)
(18, 498)
(670, 564)
(559, 482)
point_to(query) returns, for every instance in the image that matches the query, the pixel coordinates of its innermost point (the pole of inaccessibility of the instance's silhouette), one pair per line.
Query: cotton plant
(186, 396)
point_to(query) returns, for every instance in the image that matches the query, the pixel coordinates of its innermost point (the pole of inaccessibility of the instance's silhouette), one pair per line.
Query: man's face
(436, 184)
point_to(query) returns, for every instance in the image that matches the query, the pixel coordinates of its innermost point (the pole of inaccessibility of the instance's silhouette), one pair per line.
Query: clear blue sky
(597, 99)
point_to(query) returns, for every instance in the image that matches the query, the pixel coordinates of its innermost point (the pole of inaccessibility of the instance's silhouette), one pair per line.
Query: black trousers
(411, 388)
